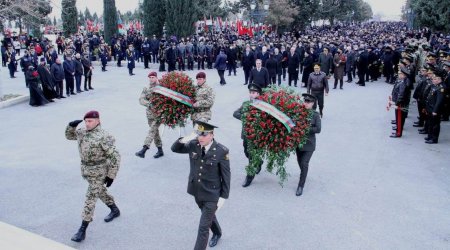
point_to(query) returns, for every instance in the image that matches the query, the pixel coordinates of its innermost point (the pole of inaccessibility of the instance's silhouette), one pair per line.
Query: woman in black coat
(305, 153)
(36, 96)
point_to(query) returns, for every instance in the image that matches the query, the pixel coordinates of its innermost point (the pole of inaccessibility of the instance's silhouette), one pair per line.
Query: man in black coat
(87, 68)
(69, 73)
(363, 66)
(293, 66)
(57, 71)
(232, 57)
(209, 178)
(78, 72)
(259, 75)
(272, 68)
(305, 152)
(171, 57)
(248, 62)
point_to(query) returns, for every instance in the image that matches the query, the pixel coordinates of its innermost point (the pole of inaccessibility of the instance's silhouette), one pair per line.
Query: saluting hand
(75, 123)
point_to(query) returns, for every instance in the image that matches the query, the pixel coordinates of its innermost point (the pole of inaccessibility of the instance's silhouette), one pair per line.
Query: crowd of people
(313, 56)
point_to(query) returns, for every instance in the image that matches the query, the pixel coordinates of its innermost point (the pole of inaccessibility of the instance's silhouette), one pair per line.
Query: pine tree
(181, 16)
(69, 17)
(109, 19)
(87, 14)
(81, 18)
(154, 17)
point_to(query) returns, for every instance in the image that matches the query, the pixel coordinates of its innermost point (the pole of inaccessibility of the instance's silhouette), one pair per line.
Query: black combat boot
(142, 152)
(115, 212)
(248, 181)
(159, 153)
(81, 234)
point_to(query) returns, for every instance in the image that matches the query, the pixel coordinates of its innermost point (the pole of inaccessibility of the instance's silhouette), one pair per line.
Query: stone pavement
(364, 190)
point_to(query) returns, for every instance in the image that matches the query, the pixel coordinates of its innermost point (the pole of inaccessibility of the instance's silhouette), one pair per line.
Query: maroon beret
(200, 75)
(92, 114)
(153, 73)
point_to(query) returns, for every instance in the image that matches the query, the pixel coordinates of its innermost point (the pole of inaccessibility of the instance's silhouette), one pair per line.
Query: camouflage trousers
(153, 134)
(96, 189)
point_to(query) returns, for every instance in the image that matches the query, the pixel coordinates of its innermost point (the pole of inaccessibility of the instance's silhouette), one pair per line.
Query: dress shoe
(417, 125)
(248, 180)
(73, 93)
(423, 132)
(245, 83)
(395, 136)
(334, 87)
(427, 138)
(214, 239)
(62, 96)
(299, 191)
(430, 142)
(86, 89)
(341, 88)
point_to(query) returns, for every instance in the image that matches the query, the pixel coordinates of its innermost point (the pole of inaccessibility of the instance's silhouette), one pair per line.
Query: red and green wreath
(275, 139)
(172, 99)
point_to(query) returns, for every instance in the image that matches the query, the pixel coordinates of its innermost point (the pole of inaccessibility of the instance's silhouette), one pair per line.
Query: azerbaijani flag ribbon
(174, 95)
(276, 113)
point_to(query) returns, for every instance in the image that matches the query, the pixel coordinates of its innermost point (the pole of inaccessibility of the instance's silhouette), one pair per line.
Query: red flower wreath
(167, 111)
(267, 137)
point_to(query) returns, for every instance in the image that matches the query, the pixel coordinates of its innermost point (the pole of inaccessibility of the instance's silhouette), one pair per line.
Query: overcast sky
(389, 8)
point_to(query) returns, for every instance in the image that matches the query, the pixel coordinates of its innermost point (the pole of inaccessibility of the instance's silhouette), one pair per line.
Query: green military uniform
(99, 159)
(204, 100)
(209, 179)
(153, 133)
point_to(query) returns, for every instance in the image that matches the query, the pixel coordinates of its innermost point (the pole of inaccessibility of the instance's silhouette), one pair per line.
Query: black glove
(75, 123)
(108, 181)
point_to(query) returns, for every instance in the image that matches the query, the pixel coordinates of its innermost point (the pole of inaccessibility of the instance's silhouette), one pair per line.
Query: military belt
(201, 109)
(93, 163)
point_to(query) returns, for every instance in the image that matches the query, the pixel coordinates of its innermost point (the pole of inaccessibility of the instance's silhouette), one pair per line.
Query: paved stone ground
(364, 189)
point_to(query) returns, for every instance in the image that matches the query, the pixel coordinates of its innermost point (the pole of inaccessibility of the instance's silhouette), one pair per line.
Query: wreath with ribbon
(274, 126)
(172, 99)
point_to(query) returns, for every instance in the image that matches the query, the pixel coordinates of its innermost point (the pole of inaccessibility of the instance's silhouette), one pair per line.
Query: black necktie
(203, 152)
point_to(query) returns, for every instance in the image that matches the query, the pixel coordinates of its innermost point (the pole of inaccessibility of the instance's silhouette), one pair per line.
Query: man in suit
(209, 178)
(247, 61)
(293, 67)
(259, 75)
(221, 66)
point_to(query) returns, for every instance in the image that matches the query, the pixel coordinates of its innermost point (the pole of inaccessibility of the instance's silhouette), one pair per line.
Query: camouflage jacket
(145, 99)
(98, 153)
(204, 100)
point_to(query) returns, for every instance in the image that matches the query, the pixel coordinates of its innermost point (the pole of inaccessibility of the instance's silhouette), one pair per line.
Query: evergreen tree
(87, 14)
(95, 17)
(181, 16)
(69, 17)
(109, 19)
(81, 18)
(154, 14)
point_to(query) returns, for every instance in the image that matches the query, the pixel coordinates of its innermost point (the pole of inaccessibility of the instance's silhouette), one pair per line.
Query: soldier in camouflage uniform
(99, 165)
(204, 99)
(153, 133)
